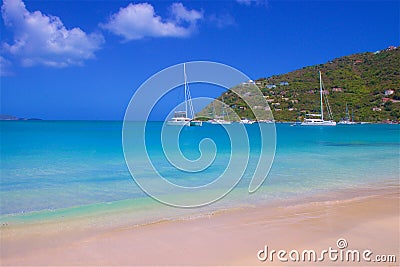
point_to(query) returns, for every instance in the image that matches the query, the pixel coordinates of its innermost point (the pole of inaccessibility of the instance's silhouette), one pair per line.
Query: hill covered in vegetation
(369, 83)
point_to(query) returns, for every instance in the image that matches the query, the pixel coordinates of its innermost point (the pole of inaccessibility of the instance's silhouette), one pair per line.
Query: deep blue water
(59, 164)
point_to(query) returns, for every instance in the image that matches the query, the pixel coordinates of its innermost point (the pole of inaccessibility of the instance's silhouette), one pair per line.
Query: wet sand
(369, 219)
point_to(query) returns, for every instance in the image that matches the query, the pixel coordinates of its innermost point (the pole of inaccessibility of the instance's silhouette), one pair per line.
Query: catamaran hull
(178, 123)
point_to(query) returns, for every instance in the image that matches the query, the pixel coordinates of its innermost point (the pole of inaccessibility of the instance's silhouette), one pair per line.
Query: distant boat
(181, 118)
(296, 123)
(220, 120)
(320, 121)
(246, 121)
(264, 121)
(347, 120)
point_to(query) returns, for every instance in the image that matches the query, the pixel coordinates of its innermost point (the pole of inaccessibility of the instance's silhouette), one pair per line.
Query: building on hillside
(389, 92)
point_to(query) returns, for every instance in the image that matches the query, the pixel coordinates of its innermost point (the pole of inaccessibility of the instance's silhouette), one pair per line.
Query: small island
(4, 117)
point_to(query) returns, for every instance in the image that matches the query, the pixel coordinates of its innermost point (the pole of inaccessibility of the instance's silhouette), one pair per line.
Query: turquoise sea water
(53, 165)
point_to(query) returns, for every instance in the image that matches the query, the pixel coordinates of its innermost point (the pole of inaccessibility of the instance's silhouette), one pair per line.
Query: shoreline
(325, 218)
(117, 208)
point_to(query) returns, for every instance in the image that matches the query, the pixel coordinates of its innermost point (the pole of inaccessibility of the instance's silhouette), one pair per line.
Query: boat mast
(213, 110)
(223, 108)
(186, 104)
(320, 90)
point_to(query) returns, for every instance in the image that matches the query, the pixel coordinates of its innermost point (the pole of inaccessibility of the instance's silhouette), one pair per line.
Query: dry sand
(368, 221)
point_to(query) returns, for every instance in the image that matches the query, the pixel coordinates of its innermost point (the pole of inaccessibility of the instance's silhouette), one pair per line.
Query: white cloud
(137, 21)
(244, 2)
(222, 21)
(249, 2)
(182, 14)
(41, 39)
(5, 66)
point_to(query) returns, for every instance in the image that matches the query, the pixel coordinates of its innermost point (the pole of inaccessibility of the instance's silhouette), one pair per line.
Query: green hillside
(360, 80)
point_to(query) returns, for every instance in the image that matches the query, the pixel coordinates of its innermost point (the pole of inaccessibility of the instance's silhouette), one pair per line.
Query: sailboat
(347, 120)
(320, 121)
(181, 118)
(220, 120)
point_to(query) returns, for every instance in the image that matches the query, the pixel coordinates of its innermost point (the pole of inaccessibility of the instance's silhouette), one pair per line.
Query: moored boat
(181, 118)
(320, 121)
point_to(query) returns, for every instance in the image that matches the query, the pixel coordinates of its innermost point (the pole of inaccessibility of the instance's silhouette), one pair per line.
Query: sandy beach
(366, 219)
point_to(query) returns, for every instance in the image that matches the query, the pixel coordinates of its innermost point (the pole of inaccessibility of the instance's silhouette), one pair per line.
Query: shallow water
(53, 165)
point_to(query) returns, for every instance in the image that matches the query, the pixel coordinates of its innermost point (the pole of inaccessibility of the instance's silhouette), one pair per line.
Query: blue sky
(85, 59)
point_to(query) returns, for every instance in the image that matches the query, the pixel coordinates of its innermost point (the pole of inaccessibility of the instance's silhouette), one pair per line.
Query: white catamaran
(181, 117)
(319, 120)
